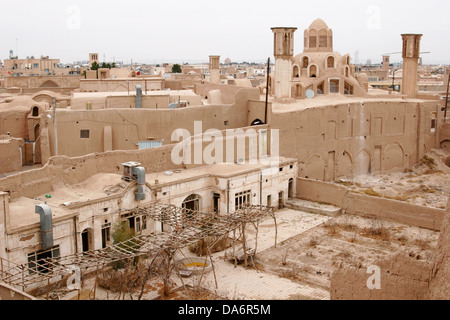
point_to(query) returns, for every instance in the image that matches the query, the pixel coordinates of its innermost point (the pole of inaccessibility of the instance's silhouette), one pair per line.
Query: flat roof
(65, 198)
(332, 100)
(133, 93)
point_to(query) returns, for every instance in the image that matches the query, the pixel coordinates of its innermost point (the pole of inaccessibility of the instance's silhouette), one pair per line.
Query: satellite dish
(309, 94)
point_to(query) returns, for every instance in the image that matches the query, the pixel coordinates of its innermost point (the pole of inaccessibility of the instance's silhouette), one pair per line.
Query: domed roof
(318, 24)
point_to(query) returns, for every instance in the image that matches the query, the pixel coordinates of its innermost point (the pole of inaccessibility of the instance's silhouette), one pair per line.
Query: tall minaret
(214, 69)
(410, 53)
(283, 52)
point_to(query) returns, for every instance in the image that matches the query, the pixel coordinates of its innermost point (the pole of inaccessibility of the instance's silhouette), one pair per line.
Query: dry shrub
(332, 228)
(377, 230)
(428, 161)
(427, 189)
(422, 243)
(313, 242)
(290, 274)
(121, 280)
(200, 248)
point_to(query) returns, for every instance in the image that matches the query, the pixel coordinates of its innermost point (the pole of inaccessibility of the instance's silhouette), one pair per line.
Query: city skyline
(175, 31)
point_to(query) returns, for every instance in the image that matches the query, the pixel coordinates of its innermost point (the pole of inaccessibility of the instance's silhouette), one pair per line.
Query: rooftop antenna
(267, 89)
(446, 96)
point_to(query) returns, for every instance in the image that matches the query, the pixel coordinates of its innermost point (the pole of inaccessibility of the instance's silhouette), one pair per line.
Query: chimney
(410, 53)
(138, 96)
(134, 171)
(46, 225)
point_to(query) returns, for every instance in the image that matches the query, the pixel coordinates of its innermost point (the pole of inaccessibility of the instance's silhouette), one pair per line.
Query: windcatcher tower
(214, 69)
(386, 61)
(410, 53)
(283, 52)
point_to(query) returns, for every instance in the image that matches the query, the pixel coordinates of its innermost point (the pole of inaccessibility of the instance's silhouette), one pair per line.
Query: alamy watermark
(374, 17)
(74, 281)
(374, 281)
(73, 21)
(232, 146)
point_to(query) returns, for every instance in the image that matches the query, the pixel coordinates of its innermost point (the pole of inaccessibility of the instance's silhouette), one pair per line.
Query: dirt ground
(426, 184)
(312, 256)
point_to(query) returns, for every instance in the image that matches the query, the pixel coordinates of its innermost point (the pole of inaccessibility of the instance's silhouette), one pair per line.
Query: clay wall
(47, 82)
(128, 127)
(151, 101)
(65, 170)
(444, 139)
(439, 288)
(402, 278)
(9, 293)
(227, 92)
(121, 85)
(11, 156)
(369, 136)
(369, 206)
(15, 122)
(406, 276)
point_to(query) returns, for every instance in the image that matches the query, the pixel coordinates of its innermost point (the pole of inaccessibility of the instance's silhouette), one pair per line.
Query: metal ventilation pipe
(140, 173)
(138, 96)
(45, 213)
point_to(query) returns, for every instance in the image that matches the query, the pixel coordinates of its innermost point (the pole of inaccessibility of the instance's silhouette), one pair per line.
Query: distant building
(31, 66)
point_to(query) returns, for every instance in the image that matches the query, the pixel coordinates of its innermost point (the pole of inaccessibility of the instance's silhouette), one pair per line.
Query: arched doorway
(296, 72)
(190, 206)
(291, 188)
(35, 112)
(305, 62)
(87, 240)
(191, 203)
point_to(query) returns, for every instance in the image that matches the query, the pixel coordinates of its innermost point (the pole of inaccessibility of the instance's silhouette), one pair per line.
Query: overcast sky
(156, 31)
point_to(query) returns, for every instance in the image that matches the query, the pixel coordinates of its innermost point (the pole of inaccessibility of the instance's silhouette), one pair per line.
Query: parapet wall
(366, 136)
(65, 170)
(227, 92)
(401, 278)
(68, 171)
(439, 288)
(9, 293)
(404, 276)
(368, 206)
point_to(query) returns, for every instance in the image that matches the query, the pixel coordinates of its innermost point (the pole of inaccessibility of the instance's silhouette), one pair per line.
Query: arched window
(305, 62)
(35, 111)
(330, 62)
(296, 73)
(313, 71)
